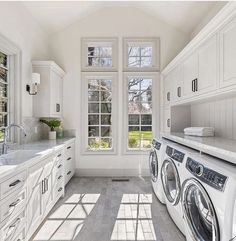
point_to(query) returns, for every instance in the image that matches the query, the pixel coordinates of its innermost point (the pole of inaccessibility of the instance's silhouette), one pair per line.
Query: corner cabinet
(48, 101)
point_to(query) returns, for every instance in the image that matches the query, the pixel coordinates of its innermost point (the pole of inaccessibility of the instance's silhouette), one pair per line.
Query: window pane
(93, 51)
(133, 119)
(106, 51)
(105, 62)
(146, 108)
(3, 120)
(140, 96)
(134, 84)
(105, 131)
(106, 143)
(3, 106)
(93, 95)
(146, 129)
(133, 51)
(100, 56)
(93, 119)
(146, 61)
(3, 74)
(105, 84)
(105, 119)
(134, 137)
(93, 131)
(146, 84)
(146, 51)
(146, 119)
(134, 61)
(106, 108)
(93, 85)
(93, 108)
(106, 96)
(93, 143)
(3, 90)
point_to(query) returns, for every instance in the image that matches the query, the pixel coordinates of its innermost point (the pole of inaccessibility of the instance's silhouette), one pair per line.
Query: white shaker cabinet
(48, 101)
(167, 90)
(228, 54)
(177, 84)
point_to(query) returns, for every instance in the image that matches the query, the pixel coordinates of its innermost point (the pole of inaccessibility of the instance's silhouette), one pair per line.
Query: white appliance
(209, 199)
(171, 174)
(155, 163)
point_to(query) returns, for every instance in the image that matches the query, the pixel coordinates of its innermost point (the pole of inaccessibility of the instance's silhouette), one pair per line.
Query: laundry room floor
(99, 209)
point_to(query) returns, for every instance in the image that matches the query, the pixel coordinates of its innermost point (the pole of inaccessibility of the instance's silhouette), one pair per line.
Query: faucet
(6, 135)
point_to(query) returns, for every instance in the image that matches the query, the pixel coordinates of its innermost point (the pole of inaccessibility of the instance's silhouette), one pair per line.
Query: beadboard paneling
(219, 114)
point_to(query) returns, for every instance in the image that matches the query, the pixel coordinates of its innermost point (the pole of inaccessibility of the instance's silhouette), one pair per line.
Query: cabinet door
(207, 71)
(56, 94)
(167, 90)
(167, 121)
(228, 54)
(177, 84)
(190, 73)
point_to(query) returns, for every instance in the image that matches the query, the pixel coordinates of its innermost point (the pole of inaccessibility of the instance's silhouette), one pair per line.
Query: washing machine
(155, 163)
(209, 199)
(171, 175)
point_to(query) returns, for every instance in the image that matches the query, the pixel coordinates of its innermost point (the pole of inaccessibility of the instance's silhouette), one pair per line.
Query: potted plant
(52, 124)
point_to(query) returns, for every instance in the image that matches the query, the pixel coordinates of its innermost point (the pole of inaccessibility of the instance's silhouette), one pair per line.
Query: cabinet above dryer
(48, 101)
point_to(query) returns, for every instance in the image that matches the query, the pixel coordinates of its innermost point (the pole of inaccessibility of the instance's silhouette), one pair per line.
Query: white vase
(52, 135)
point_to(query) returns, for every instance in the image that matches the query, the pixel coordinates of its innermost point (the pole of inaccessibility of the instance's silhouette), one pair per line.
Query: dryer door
(170, 181)
(153, 165)
(199, 212)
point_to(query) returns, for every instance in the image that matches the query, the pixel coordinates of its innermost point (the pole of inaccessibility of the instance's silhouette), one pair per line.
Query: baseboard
(111, 172)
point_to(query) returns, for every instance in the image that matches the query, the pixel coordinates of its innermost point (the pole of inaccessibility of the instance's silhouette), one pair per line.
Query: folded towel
(199, 131)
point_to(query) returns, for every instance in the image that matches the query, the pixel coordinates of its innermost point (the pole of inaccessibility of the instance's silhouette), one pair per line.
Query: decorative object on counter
(52, 124)
(59, 131)
(35, 82)
(199, 131)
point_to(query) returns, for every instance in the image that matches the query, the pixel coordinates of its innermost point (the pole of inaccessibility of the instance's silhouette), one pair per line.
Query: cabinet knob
(168, 122)
(179, 91)
(58, 107)
(168, 96)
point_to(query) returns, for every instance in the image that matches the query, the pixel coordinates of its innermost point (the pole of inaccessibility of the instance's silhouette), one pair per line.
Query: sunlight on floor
(134, 219)
(66, 222)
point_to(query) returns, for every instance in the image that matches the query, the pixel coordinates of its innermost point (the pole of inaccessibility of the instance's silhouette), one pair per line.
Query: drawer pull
(59, 177)
(68, 147)
(60, 189)
(12, 228)
(59, 166)
(14, 183)
(59, 155)
(69, 158)
(68, 173)
(14, 203)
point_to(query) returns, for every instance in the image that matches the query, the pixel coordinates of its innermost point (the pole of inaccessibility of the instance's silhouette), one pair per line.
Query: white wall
(220, 114)
(65, 49)
(20, 28)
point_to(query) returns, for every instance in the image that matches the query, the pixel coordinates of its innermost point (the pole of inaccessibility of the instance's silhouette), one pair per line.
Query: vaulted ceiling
(54, 16)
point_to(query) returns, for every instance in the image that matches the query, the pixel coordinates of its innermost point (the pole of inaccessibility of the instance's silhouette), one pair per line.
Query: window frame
(84, 51)
(114, 112)
(154, 42)
(14, 77)
(155, 108)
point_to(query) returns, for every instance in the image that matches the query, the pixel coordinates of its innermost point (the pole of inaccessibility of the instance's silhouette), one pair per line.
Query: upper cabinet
(228, 54)
(48, 101)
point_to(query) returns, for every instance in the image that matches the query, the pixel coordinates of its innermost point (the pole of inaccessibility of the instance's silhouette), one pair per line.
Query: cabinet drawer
(13, 184)
(58, 158)
(69, 172)
(13, 204)
(21, 236)
(69, 150)
(58, 190)
(12, 229)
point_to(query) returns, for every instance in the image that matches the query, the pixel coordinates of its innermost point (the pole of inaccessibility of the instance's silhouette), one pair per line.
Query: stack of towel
(199, 131)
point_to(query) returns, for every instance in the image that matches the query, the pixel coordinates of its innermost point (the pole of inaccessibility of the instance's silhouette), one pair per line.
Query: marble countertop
(219, 147)
(29, 154)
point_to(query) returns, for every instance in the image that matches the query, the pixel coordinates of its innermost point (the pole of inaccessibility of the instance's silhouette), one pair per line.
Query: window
(4, 93)
(141, 54)
(140, 111)
(99, 54)
(100, 96)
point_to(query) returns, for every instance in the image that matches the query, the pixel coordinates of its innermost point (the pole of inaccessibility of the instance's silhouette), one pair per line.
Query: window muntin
(100, 114)
(139, 113)
(139, 56)
(4, 93)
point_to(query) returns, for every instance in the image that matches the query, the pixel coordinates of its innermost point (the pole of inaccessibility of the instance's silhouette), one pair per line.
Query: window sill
(136, 152)
(99, 152)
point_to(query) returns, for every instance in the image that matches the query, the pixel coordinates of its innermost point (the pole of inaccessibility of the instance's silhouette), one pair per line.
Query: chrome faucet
(6, 136)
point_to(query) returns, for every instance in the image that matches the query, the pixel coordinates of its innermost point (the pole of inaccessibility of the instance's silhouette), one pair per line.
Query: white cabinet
(177, 84)
(228, 54)
(69, 162)
(167, 120)
(48, 101)
(208, 70)
(167, 90)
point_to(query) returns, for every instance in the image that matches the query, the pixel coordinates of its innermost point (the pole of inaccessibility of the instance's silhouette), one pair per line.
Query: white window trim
(155, 108)
(155, 42)
(84, 112)
(15, 97)
(84, 54)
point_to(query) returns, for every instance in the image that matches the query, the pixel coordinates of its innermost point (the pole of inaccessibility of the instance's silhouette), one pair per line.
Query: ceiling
(54, 16)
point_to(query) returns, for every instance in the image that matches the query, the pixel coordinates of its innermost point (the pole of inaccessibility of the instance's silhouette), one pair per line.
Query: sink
(18, 157)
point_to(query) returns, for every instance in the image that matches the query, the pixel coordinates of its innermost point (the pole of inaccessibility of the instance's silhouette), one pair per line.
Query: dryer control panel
(156, 144)
(175, 154)
(206, 175)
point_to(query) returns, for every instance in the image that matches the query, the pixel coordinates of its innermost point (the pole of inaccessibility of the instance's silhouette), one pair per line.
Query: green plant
(52, 123)
(133, 143)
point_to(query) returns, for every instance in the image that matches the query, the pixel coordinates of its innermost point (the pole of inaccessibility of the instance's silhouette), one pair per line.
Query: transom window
(141, 54)
(139, 112)
(99, 54)
(4, 104)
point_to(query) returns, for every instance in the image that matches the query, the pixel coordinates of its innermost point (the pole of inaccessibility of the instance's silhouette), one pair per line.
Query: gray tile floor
(97, 209)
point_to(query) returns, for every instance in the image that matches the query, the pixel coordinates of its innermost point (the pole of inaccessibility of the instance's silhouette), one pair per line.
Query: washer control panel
(206, 175)
(175, 154)
(156, 144)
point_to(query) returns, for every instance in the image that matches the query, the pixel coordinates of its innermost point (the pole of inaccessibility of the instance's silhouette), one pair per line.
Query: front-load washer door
(153, 165)
(170, 181)
(199, 212)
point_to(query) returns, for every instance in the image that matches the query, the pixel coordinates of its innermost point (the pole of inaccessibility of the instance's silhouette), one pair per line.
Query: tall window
(4, 95)
(139, 119)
